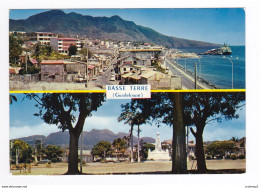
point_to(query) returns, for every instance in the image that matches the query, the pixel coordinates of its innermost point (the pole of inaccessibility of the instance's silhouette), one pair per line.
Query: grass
(149, 167)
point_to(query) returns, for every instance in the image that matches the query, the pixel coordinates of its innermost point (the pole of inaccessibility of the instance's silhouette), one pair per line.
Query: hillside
(113, 28)
(89, 138)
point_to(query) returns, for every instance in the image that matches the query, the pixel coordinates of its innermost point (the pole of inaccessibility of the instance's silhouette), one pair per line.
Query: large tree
(166, 108)
(68, 111)
(202, 108)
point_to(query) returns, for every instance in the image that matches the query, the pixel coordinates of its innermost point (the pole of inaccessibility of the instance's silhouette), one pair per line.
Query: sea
(217, 69)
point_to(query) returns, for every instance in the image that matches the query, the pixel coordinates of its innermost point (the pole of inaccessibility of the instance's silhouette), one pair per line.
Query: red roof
(52, 62)
(91, 66)
(33, 61)
(12, 71)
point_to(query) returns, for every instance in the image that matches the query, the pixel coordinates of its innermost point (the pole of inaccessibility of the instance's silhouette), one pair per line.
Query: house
(52, 70)
(42, 37)
(126, 67)
(62, 44)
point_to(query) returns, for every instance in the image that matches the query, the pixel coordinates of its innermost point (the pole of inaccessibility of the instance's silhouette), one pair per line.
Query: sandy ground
(46, 86)
(125, 167)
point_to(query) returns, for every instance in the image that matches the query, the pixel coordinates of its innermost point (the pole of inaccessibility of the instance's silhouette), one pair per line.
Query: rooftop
(52, 62)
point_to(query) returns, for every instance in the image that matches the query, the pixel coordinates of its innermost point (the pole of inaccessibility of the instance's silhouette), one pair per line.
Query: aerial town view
(70, 50)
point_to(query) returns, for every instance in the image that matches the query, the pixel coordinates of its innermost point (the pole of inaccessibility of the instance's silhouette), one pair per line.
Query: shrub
(233, 157)
(241, 157)
(227, 157)
(28, 161)
(54, 160)
(208, 157)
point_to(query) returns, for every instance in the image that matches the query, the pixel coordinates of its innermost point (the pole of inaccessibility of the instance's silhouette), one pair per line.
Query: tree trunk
(179, 154)
(201, 163)
(73, 154)
(131, 143)
(138, 148)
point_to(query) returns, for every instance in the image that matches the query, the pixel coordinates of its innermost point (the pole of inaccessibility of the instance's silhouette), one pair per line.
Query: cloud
(41, 129)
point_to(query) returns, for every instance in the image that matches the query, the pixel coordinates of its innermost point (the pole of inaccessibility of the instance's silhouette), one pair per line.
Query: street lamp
(232, 66)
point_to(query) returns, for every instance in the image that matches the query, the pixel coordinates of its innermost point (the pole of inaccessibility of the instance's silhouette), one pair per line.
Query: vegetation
(72, 50)
(221, 148)
(202, 108)
(166, 108)
(120, 146)
(145, 148)
(15, 50)
(132, 116)
(101, 149)
(22, 150)
(121, 29)
(189, 109)
(68, 111)
(43, 52)
(52, 152)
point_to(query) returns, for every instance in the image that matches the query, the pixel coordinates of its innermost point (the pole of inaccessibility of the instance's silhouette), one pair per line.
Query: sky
(23, 123)
(216, 25)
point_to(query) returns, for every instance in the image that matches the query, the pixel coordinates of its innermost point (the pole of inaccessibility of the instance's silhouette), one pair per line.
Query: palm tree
(132, 118)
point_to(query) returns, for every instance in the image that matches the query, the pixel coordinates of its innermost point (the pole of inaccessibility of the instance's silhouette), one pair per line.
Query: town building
(62, 45)
(52, 70)
(42, 37)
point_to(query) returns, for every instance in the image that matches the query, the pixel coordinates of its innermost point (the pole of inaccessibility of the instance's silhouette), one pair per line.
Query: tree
(38, 149)
(15, 49)
(22, 150)
(221, 148)
(120, 145)
(12, 98)
(53, 151)
(202, 108)
(132, 116)
(166, 108)
(144, 149)
(68, 111)
(72, 50)
(101, 149)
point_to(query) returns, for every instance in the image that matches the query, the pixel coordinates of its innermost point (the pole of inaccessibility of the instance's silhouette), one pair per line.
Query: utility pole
(195, 67)
(26, 62)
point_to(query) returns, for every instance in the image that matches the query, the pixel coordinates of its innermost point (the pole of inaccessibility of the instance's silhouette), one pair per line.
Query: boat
(224, 50)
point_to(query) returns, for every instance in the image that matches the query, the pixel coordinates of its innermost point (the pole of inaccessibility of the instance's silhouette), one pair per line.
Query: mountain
(113, 28)
(89, 138)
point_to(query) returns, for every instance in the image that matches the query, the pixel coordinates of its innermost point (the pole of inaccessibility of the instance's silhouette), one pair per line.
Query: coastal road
(187, 82)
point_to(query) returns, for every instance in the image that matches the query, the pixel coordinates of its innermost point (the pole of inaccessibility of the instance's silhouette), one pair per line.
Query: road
(187, 82)
(104, 79)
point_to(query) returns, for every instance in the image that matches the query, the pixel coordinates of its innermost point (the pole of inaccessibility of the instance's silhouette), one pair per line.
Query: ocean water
(216, 69)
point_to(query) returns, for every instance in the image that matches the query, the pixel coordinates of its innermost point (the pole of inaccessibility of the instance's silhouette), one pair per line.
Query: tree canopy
(68, 111)
(15, 49)
(101, 149)
(72, 50)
